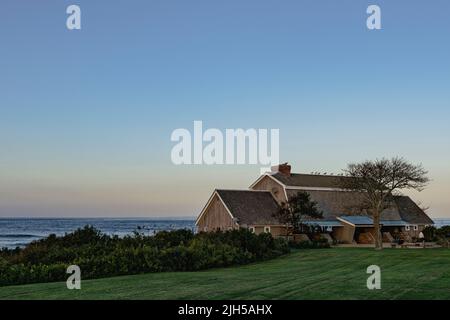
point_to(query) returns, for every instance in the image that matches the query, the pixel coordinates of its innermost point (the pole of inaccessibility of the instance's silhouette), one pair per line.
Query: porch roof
(368, 221)
(324, 223)
(393, 223)
(358, 220)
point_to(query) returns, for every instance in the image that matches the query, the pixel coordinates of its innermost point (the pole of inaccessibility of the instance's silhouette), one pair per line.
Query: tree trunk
(377, 229)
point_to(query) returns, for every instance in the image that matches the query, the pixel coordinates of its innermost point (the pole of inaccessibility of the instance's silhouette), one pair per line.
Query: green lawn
(338, 273)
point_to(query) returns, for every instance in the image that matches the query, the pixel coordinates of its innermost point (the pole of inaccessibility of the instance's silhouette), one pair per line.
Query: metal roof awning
(361, 221)
(393, 223)
(358, 220)
(324, 223)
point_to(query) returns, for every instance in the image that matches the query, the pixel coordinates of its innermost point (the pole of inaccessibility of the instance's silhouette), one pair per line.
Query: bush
(430, 233)
(315, 244)
(443, 232)
(100, 255)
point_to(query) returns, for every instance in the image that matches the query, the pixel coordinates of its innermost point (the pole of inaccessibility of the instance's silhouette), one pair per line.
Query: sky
(86, 115)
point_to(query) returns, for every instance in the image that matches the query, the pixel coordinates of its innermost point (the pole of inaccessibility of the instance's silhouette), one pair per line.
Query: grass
(338, 273)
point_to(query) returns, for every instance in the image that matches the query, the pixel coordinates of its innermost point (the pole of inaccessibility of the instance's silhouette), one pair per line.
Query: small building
(343, 217)
(233, 209)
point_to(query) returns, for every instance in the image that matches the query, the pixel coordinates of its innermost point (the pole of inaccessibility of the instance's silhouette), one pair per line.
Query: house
(233, 209)
(254, 208)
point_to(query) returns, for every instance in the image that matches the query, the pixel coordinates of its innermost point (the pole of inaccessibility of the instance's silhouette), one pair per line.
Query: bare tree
(423, 207)
(379, 181)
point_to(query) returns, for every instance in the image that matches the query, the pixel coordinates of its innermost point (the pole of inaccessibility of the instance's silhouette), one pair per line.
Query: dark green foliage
(430, 233)
(297, 209)
(315, 244)
(443, 232)
(100, 255)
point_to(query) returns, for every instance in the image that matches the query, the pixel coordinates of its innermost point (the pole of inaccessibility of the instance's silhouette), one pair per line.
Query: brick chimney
(283, 168)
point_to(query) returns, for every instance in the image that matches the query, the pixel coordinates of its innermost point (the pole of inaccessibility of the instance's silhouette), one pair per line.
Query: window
(267, 229)
(416, 227)
(407, 228)
(252, 229)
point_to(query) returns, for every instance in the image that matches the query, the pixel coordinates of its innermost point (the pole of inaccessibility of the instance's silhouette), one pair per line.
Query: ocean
(18, 232)
(441, 222)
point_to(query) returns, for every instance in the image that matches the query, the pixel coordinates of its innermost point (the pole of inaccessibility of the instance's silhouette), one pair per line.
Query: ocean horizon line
(137, 218)
(107, 218)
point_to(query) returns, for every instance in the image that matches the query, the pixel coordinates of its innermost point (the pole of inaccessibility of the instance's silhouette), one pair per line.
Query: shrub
(430, 233)
(100, 255)
(315, 244)
(443, 232)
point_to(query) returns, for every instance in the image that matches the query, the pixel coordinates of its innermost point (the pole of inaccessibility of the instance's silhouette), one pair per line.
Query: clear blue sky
(86, 116)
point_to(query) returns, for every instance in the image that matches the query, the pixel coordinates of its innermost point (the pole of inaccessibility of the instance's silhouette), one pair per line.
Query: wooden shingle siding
(267, 183)
(344, 234)
(216, 217)
(275, 231)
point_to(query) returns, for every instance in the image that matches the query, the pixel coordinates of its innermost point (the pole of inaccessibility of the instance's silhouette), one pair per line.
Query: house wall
(276, 231)
(258, 229)
(413, 233)
(216, 217)
(269, 184)
(344, 234)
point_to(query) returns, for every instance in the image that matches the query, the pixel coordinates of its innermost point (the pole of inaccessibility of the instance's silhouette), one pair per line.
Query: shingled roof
(308, 180)
(340, 203)
(411, 212)
(250, 207)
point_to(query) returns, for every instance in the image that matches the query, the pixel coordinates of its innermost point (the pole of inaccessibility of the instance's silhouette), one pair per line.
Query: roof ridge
(249, 190)
(318, 175)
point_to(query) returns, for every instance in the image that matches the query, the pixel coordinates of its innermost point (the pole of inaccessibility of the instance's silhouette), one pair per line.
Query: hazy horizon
(104, 217)
(86, 115)
(132, 218)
